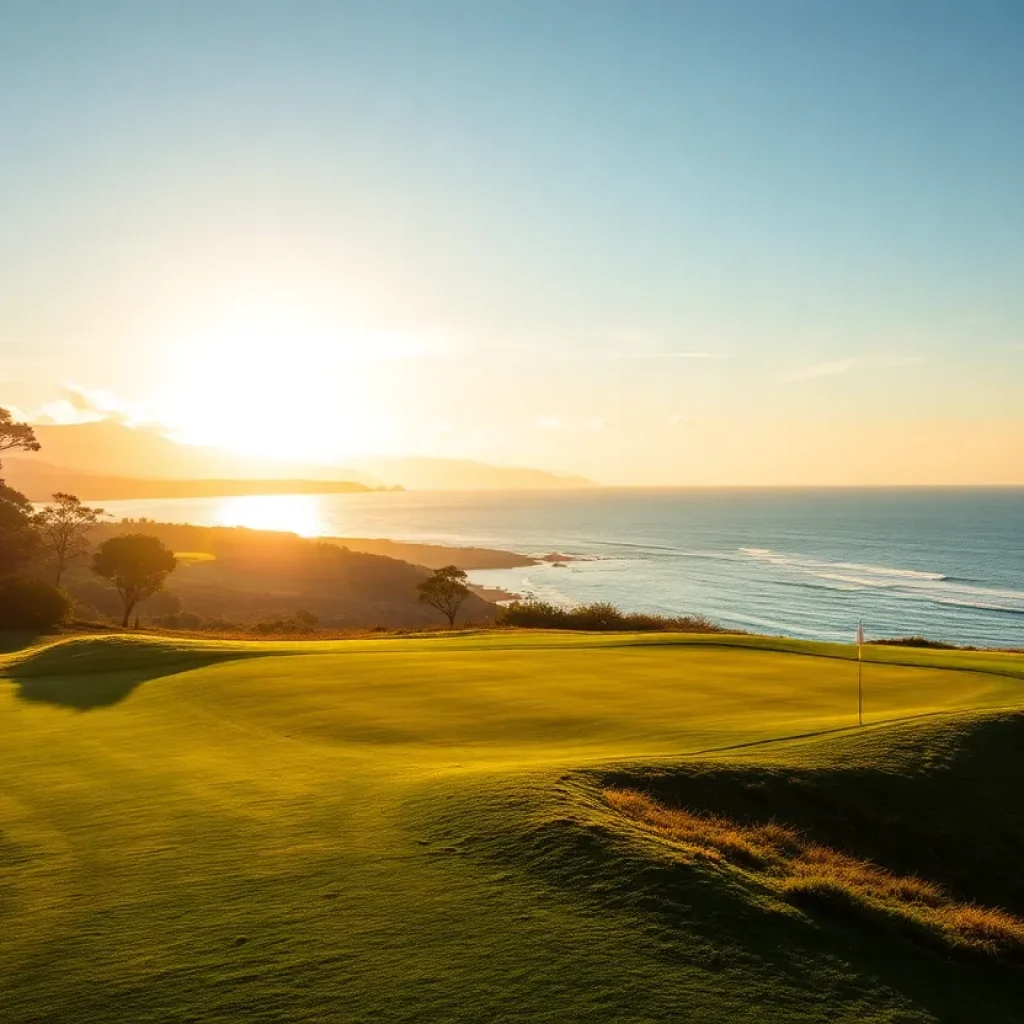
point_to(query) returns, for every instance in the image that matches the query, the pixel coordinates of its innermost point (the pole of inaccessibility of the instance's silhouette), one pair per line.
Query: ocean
(947, 564)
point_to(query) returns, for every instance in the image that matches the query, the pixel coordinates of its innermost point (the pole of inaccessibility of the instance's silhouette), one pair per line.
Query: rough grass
(412, 829)
(785, 862)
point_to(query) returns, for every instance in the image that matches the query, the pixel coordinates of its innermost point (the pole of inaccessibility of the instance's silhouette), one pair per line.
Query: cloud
(19, 415)
(78, 404)
(894, 362)
(550, 423)
(96, 404)
(668, 355)
(831, 369)
(840, 366)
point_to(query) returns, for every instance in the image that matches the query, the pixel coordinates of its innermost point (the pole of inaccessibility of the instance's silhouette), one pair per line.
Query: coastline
(434, 556)
(495, 595)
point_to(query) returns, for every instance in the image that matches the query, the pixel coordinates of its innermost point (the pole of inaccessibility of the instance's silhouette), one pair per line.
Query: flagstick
(860, 687)
(860, 672)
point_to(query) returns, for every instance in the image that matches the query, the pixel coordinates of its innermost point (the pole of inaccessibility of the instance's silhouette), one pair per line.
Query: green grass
(195, 556)
(417, 829)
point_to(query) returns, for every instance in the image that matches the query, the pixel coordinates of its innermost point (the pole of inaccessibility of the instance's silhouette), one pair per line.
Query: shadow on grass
(84, 681)
(82, 692)
(17, 640)
(706, 919)
(937, 799)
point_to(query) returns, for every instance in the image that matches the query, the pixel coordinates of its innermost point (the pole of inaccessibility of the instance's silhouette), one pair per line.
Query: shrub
(915, 641)
(300, 622)
(178, 620)
(600, 617)
(305, 621)
(31, 604)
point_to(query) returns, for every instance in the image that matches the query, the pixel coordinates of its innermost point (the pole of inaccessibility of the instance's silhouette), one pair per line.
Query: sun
(270, 380)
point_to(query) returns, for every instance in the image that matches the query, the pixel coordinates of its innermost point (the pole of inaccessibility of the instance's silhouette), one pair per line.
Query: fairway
(412, 829)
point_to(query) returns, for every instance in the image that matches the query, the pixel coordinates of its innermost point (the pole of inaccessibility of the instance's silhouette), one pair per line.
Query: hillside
(39, 481)
(239, 576)
(111, 449)
(421, 473)
(500, 827)
(108, 449)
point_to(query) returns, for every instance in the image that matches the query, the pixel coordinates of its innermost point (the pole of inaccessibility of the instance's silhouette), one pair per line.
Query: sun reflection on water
(297, 513)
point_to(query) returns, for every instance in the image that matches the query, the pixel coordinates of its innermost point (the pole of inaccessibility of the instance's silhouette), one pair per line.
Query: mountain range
(107, 460)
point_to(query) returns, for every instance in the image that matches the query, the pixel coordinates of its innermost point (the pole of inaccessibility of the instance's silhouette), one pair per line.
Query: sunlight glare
(295, 513)
(275, 381)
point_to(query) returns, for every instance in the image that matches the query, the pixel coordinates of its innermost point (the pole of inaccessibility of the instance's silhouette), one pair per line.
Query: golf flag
(860, 633)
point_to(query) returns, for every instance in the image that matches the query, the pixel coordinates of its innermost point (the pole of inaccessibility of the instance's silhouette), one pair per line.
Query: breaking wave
(932, 587)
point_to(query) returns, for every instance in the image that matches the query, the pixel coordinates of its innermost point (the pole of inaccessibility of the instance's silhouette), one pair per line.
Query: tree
(31, 604)
(137, 564)
(16, 436)
(445, 589)
(19, 541)
(64, 526)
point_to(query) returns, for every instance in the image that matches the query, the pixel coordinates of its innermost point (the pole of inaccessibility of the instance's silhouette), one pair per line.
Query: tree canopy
(31, 604)
(64, 525)
(445, 589)
(16, 436)
(137, 564)
(19, 542)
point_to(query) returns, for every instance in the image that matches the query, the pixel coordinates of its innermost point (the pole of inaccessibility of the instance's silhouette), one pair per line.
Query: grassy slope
(411, 830)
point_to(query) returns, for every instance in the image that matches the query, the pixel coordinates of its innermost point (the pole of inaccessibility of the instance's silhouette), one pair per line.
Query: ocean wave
(859, 582)
(815, 564)
(530, 589)
(905, 584)
(980, 606)
(805, 585)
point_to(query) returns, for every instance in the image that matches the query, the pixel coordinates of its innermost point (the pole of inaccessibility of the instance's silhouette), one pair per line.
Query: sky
(732, 241)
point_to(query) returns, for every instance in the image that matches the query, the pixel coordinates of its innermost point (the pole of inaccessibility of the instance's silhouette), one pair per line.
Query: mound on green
(472, 828)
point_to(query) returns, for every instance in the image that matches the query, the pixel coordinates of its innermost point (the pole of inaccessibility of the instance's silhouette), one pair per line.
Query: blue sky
(772, 236)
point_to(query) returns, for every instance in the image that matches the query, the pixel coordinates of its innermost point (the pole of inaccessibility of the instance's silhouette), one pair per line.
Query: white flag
(860, 633)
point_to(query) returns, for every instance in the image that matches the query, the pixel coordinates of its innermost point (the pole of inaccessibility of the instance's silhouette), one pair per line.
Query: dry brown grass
(810, 874)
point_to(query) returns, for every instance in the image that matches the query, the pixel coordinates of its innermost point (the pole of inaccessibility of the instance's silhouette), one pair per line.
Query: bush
(178, 620)
(601, 617)
(31, 604)
(300, 622)
(915, 641)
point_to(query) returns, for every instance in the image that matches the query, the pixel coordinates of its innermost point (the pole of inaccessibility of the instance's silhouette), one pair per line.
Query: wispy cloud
(18, 414)
(832, 369)
(894, 362)
(668, 355)
(78, 404)
(837, 367)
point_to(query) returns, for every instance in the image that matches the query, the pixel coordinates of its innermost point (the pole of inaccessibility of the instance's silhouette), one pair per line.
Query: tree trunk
(127, 616)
